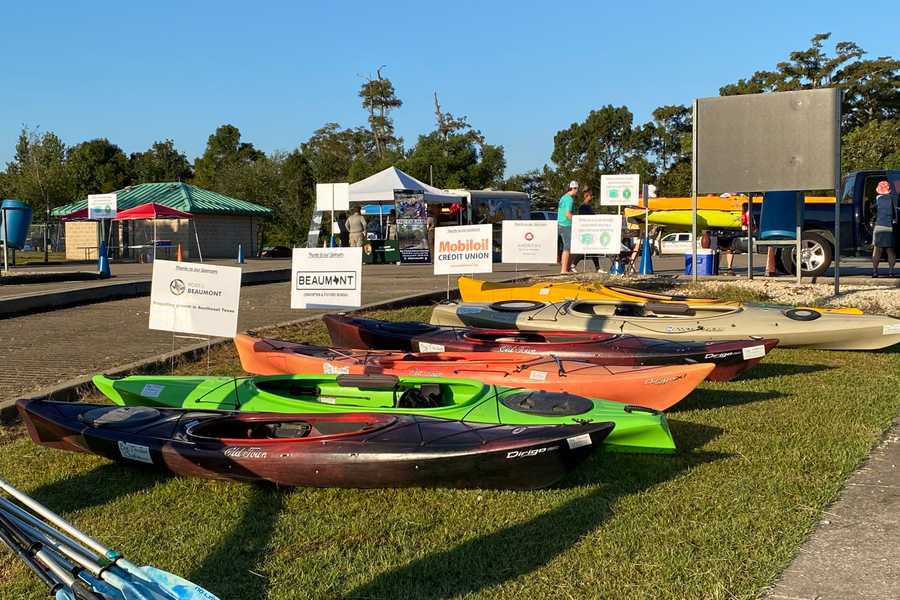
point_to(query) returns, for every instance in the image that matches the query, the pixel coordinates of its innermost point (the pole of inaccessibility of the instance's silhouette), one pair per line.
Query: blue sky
(136, 72)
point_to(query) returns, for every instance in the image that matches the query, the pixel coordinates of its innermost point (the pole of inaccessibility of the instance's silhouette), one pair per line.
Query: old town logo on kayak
(250, 452)
(464, 249)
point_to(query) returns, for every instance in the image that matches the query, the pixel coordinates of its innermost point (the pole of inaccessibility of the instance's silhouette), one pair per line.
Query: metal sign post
(837, 195)
(694, 194)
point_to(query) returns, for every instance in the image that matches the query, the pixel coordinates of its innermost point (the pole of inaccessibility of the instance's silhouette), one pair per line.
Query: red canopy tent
(152, 210)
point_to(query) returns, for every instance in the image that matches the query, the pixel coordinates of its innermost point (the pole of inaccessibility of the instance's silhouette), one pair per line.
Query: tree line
(454, 154)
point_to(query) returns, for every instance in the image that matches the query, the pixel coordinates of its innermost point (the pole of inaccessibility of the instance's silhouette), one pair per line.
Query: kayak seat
(427, 395)
(669, 308)
(629, 310)
(549, 404)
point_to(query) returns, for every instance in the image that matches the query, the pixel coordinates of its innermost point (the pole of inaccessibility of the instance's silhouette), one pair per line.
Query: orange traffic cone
(178, 254)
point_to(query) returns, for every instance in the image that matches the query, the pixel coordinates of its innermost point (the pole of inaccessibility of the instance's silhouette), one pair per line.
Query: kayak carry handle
(371, 382)
(630, 408)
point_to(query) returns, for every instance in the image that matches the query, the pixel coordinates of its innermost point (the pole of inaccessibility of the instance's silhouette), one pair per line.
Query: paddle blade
(178, 587)
(64, 594)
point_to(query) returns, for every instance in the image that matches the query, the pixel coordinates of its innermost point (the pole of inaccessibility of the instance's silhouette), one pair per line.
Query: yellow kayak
(681, 219)
(476, 290)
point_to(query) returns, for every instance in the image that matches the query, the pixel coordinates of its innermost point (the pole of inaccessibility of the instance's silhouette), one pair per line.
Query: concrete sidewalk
(854, 551)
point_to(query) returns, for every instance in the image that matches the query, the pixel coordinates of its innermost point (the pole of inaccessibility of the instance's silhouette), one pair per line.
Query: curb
(73, 389)
(43, 302)
(51, 277)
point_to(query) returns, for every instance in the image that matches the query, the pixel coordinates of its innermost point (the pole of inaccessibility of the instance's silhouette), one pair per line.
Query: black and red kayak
(609, 349)
(354, 450)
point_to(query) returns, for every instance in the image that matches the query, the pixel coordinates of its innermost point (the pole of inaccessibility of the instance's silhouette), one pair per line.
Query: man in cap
(564, 221)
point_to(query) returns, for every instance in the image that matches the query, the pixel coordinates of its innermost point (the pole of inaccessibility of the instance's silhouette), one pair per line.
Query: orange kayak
(657, 387)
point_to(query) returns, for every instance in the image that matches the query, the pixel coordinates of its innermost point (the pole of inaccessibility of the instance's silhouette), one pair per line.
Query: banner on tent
(412, 227)
(596, 234)
(326, 278)
(529, 242)
(463, 249)
(619, 190)
(102, 206)
(200, 299)
(332, 196)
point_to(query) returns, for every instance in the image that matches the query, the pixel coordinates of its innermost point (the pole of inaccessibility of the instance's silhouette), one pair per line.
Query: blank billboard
(768, 142)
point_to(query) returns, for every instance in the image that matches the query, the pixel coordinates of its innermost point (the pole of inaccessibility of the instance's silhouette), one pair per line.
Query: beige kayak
(792, 327)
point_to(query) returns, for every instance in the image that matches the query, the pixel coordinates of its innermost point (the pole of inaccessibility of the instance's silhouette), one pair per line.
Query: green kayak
(637, 429)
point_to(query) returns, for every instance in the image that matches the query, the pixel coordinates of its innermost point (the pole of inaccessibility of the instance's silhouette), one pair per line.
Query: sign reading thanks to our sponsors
(201, 299)
(619, 190)
(102, 206)
(326, 278)
(463, 249)
(596, 234)
(529, 242)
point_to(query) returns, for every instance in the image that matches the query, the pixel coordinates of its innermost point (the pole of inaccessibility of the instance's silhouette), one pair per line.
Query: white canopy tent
(381, 186)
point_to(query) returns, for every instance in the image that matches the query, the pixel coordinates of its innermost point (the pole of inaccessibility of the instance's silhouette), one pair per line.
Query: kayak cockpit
(373, 391)
(646, 309)
(534, 337)
(261, 428)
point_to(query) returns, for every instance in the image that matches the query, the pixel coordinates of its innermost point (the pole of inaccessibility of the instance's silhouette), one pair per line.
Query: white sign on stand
(102, 206)
(200, 299)
(529, 242)
(596, 234)
(326, 278)
(332, 196)
(463, 249)
(619, 190)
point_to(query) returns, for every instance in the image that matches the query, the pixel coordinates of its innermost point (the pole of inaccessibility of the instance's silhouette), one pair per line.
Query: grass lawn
(760, 459)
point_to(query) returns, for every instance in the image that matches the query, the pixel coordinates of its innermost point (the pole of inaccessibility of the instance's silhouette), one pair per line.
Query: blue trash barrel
(18, 220)
(778, 216)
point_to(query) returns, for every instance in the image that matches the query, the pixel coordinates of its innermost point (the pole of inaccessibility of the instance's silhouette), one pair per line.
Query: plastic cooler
(707, 262)
(18, 219)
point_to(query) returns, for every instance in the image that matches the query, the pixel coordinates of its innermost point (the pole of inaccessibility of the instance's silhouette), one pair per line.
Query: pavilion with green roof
(221, 222)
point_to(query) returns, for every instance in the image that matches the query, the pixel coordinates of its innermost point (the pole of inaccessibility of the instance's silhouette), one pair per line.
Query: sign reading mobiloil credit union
(463, 249)
(326, 278)
(200, 299)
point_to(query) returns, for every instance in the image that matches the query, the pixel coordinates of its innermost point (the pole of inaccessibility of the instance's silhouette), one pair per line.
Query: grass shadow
(229, 567)
(767, 369)
(97, 487)
(706, 399)
(514, 551)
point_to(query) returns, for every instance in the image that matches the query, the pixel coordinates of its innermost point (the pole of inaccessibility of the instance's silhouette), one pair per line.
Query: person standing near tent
(356, 227)
(587, 208)
(883, 232)
(564, 221)
(429, 229)
(391, 233)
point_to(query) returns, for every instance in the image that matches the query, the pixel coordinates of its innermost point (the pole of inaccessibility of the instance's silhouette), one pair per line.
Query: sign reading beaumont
(326, 278)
